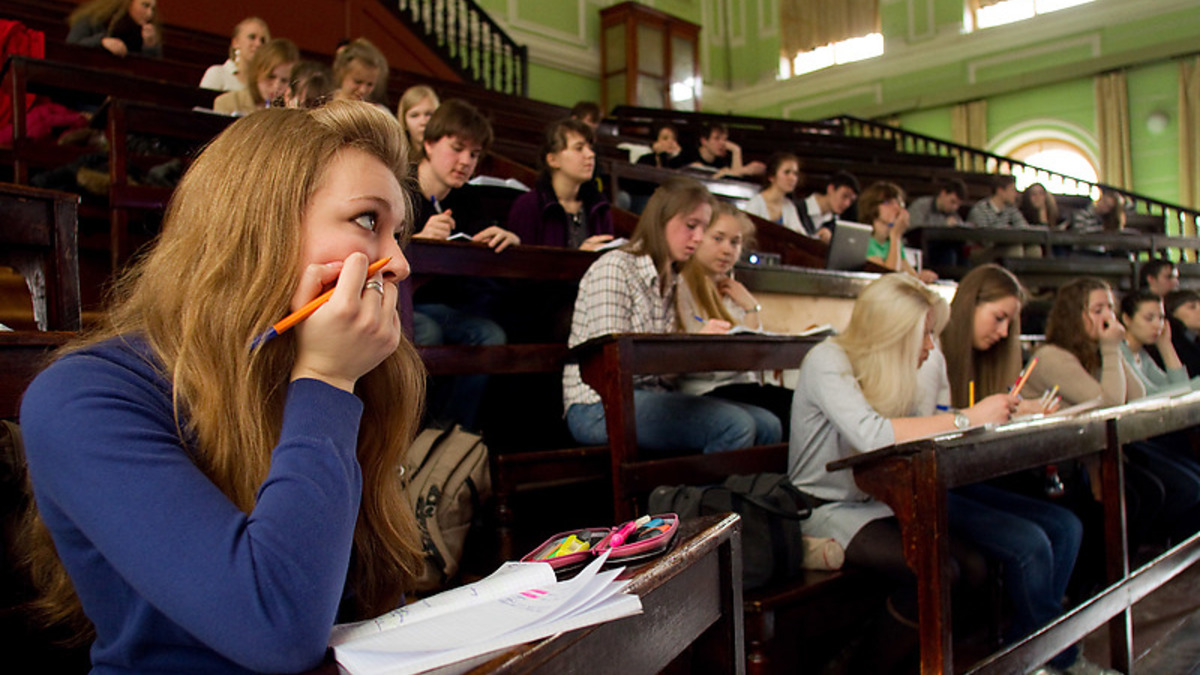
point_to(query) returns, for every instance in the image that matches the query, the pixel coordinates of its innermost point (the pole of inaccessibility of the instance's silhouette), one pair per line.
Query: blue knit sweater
(174, 577)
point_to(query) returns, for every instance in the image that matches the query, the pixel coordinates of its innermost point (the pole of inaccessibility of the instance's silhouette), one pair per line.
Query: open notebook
(518, 603)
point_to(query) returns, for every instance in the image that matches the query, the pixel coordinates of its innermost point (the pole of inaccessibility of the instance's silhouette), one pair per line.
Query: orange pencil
(306, 311)
(1024, 376)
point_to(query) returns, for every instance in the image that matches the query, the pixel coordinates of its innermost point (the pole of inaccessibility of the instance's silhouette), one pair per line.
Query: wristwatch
(961, 421)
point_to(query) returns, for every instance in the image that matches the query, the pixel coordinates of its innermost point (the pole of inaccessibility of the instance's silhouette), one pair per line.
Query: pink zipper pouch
(631, 541)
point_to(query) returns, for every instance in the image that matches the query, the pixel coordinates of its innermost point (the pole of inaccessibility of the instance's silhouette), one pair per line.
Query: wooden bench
(125, 118)
(74, 85)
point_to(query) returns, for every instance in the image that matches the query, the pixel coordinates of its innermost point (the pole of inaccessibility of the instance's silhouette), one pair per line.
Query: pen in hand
(306, 311)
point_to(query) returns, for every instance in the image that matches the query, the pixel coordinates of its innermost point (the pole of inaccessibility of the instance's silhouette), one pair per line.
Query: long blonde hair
(884, 338)
(709, 304)
(409, 100)
(268, 57)
(233, 227)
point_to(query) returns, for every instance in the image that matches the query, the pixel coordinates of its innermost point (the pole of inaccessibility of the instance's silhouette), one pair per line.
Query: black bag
(771, 509)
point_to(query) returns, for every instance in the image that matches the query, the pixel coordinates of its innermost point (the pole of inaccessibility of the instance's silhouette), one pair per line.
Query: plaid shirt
(984, 214)
(618, 294)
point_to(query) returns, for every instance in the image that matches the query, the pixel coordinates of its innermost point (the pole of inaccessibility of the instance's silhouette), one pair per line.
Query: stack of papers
(518, 603)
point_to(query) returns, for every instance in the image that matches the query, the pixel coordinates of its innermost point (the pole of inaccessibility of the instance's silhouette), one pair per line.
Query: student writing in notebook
(708, 292)
(632, 290)
(1036, 541)
(206, 506)
(454, 310)
(859, 392)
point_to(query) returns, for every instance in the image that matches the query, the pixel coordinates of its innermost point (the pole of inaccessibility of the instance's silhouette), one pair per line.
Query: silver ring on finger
(374, 285)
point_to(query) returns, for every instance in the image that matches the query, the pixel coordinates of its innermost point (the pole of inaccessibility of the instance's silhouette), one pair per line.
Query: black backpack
(771, 509)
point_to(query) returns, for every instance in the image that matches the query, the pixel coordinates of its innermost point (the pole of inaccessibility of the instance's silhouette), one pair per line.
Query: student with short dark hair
(718, 153)
(1160, 276)
(940, 209)
(822, 209)
(587, 112)
(1000, 210)
(452, 311)
(1183, 319)
(565, 208)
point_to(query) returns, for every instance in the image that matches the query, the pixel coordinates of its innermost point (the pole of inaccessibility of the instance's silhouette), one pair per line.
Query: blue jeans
(455, 399)
(671, 423)
(1036, 541)
(1180, 478)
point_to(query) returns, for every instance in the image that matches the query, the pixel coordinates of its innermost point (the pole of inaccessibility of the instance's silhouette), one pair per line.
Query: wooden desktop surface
(691, 598)
(913, 479)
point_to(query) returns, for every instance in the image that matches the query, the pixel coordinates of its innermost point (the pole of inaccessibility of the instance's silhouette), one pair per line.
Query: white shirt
(222, 78)
(789, 219)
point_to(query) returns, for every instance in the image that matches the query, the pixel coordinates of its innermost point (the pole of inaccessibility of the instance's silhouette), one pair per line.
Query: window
(846, 51)
(816, 34)
(1057, 156)
(988, 13)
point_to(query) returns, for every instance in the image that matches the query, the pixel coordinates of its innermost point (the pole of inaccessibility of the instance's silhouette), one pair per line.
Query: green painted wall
(1036, 74)
(560, 87)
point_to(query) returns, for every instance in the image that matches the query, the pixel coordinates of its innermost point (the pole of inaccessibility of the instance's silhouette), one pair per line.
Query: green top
(878, 249)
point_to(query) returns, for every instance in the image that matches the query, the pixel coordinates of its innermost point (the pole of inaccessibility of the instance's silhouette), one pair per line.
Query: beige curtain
(980, 4)
(808, 24)
(1112, 130)
(968, 124)
(1189, 132)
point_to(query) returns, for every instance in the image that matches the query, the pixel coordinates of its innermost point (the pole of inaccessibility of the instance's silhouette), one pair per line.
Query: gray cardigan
(831, 420)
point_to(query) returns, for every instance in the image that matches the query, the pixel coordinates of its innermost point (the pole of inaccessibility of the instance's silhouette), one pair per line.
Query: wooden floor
(1166, 629)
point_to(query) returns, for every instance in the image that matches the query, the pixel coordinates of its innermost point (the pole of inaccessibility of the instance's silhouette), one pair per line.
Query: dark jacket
(540, 220)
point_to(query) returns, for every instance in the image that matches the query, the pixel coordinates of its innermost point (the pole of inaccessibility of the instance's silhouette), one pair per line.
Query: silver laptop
(848, 248)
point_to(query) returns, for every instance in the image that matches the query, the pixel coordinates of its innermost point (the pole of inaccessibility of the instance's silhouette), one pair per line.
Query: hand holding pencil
(350, 329)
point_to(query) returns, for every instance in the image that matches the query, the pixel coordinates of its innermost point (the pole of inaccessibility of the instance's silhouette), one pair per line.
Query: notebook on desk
(848, 247)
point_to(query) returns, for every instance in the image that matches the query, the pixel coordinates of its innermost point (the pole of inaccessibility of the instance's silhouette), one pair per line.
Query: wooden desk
(691, 597)
(913, 479)
(38, 238)
(608, 364)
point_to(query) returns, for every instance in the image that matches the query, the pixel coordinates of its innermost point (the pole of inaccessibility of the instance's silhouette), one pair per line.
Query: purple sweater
(175, 577)
(539, 220)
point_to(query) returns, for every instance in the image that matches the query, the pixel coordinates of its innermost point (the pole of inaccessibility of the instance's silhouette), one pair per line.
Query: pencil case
(645, 538)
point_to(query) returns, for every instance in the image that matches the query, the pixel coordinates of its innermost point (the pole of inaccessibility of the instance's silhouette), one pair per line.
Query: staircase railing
(470, 42)
(1180, 220)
